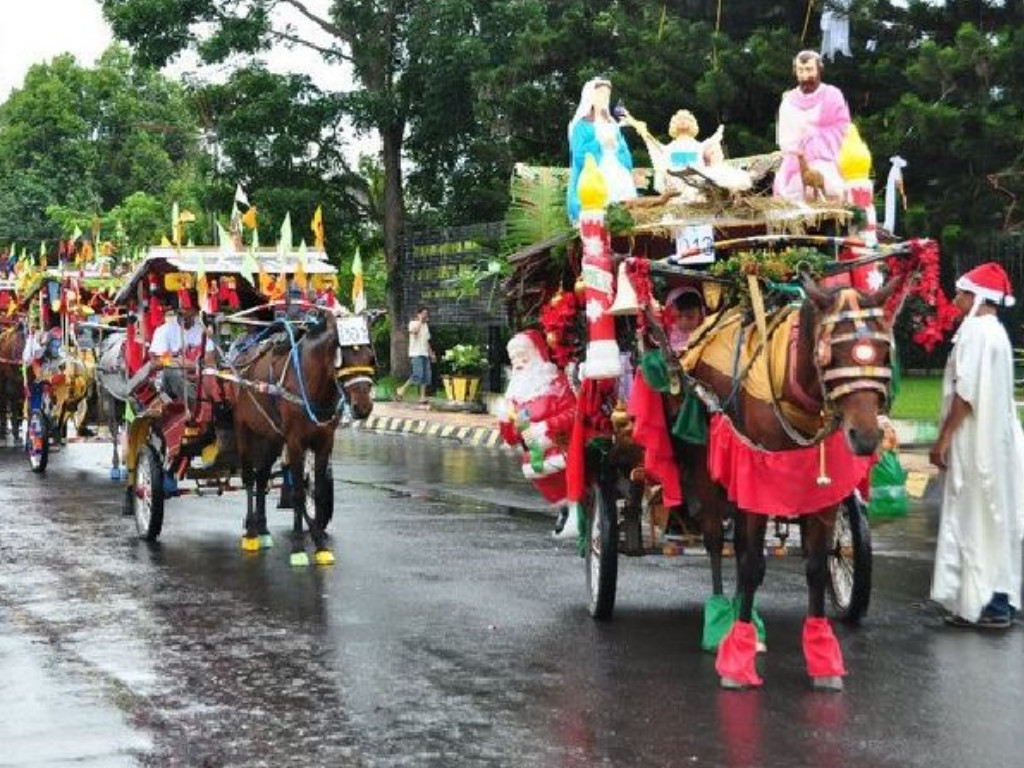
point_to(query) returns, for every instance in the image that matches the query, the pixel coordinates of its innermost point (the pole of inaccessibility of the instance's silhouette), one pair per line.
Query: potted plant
(462, 366)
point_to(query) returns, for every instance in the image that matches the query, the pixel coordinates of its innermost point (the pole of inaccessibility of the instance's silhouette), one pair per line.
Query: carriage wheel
(37, 440)
(850, 562)
(602, 552)
(148, 493)
(323, 518)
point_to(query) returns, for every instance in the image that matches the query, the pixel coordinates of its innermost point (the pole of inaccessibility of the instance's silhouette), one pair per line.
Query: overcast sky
(33, 31)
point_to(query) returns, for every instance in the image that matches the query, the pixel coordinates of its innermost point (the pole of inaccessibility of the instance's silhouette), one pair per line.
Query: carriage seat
(717, 350)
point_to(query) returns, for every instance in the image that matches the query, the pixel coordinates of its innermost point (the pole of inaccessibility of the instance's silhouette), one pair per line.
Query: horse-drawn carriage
(58, 354)
(768, 410)
(275, 369)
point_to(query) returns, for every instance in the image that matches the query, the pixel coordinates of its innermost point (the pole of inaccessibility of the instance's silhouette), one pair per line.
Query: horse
(12, 383)
(837, 366)
(289, 396)
(112, 389)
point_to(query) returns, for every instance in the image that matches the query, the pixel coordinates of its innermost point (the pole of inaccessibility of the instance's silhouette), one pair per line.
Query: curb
(482, 437)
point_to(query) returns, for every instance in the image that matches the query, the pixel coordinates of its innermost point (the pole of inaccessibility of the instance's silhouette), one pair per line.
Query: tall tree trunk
(394, 225)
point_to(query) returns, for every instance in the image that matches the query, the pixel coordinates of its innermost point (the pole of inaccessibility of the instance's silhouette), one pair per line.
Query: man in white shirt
(198, 343)
(165, 349)
(420, 355)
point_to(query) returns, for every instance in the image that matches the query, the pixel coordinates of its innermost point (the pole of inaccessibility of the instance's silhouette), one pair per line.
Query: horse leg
(262, 484)
(250, 539)
(821, 649)
(321, 498)
(738, 651)
(4, 399)
(708, 505)
(295, 460)
(115, 438)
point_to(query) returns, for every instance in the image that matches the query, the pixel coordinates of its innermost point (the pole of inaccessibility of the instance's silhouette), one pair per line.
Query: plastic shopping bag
(888, 488)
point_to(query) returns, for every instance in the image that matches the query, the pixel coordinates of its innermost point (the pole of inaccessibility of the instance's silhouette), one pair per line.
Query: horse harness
(864, 375)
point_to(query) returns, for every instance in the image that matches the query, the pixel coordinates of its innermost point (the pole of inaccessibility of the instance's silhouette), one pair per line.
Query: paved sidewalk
(409, 418)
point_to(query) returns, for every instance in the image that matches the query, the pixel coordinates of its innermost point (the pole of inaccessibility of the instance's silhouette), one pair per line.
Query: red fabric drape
(650, 431)
(781, 482)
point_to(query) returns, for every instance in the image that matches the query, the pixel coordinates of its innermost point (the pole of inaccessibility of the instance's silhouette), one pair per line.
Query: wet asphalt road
(451, 632)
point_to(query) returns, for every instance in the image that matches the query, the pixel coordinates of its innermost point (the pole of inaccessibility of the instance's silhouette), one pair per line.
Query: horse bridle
(864, 374)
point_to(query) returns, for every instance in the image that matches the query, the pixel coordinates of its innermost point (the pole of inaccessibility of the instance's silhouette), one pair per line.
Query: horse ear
(881, 297)
(822, 299)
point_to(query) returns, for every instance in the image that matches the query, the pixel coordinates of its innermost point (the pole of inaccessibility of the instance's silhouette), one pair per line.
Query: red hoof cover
(737, 654)
(821, 649)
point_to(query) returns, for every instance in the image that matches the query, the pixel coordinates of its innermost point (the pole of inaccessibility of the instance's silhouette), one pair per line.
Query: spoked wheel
(850, 561)
(37, 440)
(312, 490)
(602, 552)
(148, 493)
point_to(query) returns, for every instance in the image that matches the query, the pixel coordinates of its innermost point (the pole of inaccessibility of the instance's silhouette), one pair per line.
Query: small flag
(164, 241)
(175, 225)
(284, 241)
(358, 292)
(77, 234)
(249, 218)
(241, 198)
(129, 414)
(202, 286)
(249, 267)
(226, 244)
(317, 225)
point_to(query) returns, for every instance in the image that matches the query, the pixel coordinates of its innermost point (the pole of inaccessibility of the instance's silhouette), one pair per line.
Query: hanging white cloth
(835, 29)
(894, 179)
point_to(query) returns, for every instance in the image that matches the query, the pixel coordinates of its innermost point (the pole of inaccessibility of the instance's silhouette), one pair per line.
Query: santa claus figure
(538, 417)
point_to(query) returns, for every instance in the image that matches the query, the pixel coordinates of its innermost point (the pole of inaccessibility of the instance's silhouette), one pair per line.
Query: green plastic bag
(888, 488)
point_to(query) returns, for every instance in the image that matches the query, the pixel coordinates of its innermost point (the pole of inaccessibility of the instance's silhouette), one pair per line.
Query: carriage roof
(217, 263)
(88, 281)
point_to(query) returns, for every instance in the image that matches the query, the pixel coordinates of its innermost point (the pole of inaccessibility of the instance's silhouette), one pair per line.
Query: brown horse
(837, 365)
(310, 376)
(12, 384)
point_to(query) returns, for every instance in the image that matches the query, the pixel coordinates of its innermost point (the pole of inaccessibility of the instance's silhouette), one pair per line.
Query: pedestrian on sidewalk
(980, 448)
(421, 355)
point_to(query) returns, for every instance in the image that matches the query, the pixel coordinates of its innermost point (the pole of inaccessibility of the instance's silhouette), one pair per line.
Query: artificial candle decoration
(602, 355)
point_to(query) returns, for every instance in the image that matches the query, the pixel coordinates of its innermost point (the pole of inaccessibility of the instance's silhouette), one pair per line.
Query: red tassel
(737, 654)
(132, 351)
(821, 649)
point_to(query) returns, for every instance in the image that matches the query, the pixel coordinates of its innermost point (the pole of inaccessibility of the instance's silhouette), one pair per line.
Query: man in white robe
(977, 575)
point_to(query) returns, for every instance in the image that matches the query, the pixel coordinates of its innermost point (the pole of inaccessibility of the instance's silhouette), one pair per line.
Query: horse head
(852, 354)
(355, 361)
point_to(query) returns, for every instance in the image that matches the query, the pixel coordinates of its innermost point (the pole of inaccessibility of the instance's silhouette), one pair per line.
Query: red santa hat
(988, 283)
(535, 339)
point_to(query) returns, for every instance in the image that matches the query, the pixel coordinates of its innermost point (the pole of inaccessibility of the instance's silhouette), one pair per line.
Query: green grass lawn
(920, 398)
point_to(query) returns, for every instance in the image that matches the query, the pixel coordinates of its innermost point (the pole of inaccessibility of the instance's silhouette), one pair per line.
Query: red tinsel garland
(558, 318)
(924, 261)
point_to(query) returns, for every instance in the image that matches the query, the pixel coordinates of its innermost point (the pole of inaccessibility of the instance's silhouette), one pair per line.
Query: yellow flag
(358, 292)
(280, 287)
(164, 242)
(300, 276)
(266, 282)
(249, 218)
(317, 225)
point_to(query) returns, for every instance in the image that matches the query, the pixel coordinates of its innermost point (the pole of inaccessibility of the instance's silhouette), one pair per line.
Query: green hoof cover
(299, 559)
(718, 620)
(266, 541)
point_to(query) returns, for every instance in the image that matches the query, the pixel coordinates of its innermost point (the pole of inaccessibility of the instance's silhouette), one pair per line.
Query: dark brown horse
(12, 383)
(308, 379)
(837, 365)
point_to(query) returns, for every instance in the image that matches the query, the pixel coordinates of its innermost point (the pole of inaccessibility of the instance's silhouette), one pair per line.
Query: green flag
(284, 242)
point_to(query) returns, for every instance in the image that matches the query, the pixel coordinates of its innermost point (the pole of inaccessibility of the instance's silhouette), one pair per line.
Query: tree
(85, 139)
